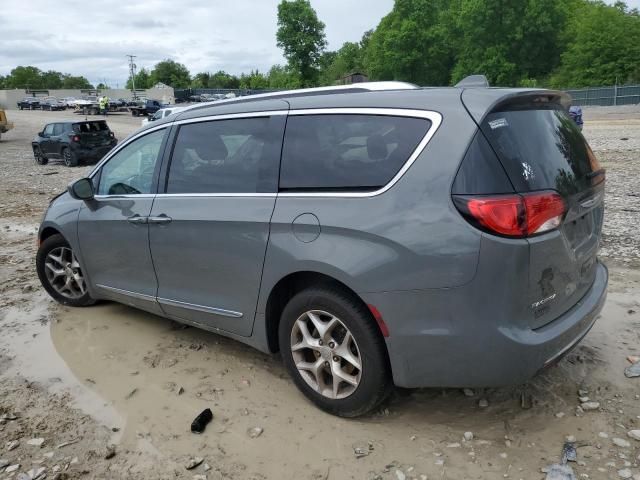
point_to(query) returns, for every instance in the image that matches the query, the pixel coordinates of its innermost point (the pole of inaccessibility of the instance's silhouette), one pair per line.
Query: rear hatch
(546, 157)
(93, 133)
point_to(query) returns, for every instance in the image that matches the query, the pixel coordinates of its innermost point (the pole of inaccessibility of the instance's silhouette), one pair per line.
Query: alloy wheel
(67, 158)
(64, 273)
(326, 354)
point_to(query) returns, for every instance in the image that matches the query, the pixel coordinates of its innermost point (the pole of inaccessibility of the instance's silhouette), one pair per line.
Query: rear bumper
(92, 153)
(443, 339)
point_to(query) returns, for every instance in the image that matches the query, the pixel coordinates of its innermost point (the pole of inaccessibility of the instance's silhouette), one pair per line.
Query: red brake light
(514, 215)
(75, 138)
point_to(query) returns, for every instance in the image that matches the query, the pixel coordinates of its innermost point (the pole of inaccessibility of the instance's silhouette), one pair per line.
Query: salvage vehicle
(147, 107)
(373, 234)
(29, 103)
(73, 142)
(5, 125)
(88, 105)
(70, 102)
(52, 103)
(163, 112)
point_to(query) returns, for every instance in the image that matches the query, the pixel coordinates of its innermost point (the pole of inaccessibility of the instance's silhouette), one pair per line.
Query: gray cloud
(205, 35)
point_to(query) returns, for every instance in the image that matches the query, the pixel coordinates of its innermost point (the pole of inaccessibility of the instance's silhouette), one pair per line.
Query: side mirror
(41, 134)
(81, 189)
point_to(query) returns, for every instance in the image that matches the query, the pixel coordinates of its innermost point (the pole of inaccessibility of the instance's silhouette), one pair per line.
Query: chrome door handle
(162, 218)
(137, 219)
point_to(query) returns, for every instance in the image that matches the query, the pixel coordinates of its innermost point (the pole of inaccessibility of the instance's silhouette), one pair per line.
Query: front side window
(347, 151)
(226, 156)
(58, 129)
(130, 171)
(48, 130)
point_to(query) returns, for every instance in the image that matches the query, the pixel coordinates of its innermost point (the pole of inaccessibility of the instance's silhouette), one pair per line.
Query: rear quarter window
(541, 149)
(344, 152)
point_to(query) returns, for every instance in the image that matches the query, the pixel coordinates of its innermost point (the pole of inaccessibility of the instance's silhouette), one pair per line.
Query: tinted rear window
(88, 127)
(541, 149)
(341, 152)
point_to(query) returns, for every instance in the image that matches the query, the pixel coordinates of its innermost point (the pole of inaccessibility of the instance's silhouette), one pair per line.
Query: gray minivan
(374, 235)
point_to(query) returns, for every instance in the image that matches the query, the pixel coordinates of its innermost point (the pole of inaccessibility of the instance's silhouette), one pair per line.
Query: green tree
(301, 36)
(142, 80)
(254, 81)
(170, 73)
(282, 77)
(222, 79)
(604, 46)
(200, 80)
(3, 80)
(349, 59)
(412, 43)
(102, 86)
(509, 41)
(24, 77)
(75, 82)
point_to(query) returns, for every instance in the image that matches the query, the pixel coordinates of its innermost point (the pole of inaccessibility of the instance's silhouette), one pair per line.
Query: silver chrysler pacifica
(375, 234)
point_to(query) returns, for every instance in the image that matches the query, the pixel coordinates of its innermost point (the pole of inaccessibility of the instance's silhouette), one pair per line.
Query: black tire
(135, 113)
(375, 383)
(56, 241)
(38, 157)
(70, 158)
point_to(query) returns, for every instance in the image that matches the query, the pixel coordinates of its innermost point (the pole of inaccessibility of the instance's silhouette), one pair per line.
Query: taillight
(75, 138)
(513, 215)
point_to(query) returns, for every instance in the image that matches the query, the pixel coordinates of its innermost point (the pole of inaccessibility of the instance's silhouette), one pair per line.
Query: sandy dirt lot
(94, 382)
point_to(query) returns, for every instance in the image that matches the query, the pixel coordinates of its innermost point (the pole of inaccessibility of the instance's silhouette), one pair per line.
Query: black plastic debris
(569, 453)
(201, 421)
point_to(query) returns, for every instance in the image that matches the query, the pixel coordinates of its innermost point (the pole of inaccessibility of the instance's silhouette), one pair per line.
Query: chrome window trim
(199, 308)
(231, 195)
(434, 117)
(232, 116)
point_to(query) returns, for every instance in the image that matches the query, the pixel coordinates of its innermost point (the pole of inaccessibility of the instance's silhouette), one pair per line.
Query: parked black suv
(74, 142)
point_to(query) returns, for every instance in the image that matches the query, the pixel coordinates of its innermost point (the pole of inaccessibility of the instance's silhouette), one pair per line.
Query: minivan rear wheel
(61, 274)
(334, 352)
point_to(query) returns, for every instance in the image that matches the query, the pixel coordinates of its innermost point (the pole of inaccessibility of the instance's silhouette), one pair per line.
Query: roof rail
(473, 81)
(351, 88)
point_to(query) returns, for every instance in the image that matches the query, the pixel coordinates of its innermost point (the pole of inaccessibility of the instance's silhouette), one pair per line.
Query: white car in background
(70, 102)
(163, 112)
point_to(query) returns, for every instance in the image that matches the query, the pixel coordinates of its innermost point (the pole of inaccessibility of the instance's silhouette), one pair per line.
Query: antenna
(132, 72)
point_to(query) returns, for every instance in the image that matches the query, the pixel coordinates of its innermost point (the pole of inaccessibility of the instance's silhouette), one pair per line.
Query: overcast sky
(206, 35)
(74, 36)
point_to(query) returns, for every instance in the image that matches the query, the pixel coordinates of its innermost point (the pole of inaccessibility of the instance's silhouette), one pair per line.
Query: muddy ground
(109, 379)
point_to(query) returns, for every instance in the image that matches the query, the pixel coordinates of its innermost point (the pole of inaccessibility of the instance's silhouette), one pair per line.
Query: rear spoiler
(479, 102)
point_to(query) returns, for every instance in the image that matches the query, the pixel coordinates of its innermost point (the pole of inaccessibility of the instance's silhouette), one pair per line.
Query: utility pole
(132, 73)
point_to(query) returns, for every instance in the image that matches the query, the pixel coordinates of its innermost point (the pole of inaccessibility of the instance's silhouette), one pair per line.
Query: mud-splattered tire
(38, 157)
(334, 351)
(61, 274)
(70, 159)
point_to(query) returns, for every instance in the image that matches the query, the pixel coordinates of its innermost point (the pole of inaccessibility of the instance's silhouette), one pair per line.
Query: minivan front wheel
(60, 273)
(334, 352)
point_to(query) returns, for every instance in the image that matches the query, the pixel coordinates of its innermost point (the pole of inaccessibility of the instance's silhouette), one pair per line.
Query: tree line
(35, 79)
(546, 43)
(530, 43)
